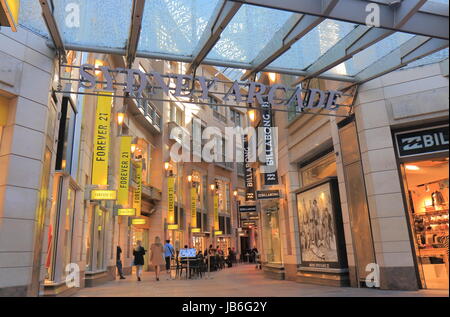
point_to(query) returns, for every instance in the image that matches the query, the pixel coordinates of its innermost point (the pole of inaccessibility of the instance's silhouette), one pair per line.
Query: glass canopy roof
(176, 28)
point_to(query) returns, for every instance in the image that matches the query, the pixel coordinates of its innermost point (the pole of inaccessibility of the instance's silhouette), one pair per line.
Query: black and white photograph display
(317, 225)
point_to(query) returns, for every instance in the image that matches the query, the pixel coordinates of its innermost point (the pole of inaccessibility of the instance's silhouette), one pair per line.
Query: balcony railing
(150, 113)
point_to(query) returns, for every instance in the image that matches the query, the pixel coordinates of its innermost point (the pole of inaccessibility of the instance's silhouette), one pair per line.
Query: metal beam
(431, 20)
(47, 14)
(135, 30)
(296, 27)
(356, 41)
(213, 62)
(223, 13)
(410, 51)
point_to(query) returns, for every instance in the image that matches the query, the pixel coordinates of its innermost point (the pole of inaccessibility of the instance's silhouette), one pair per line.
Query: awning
(308, 38)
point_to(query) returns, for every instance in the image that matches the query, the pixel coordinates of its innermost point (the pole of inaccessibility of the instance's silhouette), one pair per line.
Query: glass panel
(174, 26)
(430, 59)
(428, 196)
(96, 23)
(68, 229)
(349, 144)
(271, 236)
(370, 55)
(320, 169)
(247, 33)
(52, 233)
(30, 17)
(314, 44)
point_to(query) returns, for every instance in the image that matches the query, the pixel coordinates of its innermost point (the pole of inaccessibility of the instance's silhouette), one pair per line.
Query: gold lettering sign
(126, 212)
(124, 170)
(137, 195)
(102, 194)
(171, 200)
(101, 141)
(138, 221)
(193, 207)
(216, 211)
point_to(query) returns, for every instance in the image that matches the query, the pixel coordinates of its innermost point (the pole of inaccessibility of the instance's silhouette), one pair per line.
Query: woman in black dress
(138, 254)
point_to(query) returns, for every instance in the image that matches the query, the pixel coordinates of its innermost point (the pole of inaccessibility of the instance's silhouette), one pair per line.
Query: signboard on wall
(268, 194)
(422, 141)
(247, 208)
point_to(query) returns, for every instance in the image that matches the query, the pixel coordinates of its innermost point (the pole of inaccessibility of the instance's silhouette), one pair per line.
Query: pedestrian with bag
(138, 254)
(119, 262)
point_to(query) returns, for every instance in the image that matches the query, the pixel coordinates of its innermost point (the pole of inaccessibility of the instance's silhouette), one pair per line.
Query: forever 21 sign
(423, 141)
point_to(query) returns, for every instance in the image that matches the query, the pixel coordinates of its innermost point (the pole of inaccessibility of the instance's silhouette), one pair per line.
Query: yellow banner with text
(124, 170)
(171, 200)
(101, 141)
(137, 194)
(193, 207)
(216, 212)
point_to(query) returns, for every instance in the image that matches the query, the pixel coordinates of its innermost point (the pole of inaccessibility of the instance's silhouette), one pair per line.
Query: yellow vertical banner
(101, 141)
(137, 195)
(216, 212)
(124, 170)
(171, 200)
(11, 10)
(193, 207)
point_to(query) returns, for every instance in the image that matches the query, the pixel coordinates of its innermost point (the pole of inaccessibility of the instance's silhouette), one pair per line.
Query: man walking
(119, 263)
(168, 254)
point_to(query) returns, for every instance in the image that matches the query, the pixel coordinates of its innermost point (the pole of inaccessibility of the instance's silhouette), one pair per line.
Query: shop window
(222, 224)
(60, 231)
(427, 193)
(318, 170)
(66, 135)
(205, 222)
(177, 115)
(236, 117)
(228, 225)
(271, 236)
(224, 196)
(96, 242)
(143, 152)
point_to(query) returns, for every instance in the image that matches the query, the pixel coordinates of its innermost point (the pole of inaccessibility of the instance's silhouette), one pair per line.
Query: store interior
(428, 194)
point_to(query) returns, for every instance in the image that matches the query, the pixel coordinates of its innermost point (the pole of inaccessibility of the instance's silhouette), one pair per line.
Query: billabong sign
(247, 208)
(137, 82)
(422, 141)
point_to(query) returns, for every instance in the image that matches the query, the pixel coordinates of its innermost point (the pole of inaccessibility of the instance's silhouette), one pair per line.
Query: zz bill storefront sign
(270, 139)
(422, 141)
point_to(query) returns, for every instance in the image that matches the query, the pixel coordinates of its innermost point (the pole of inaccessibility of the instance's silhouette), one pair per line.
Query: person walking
(169, 252)
(138, 254)
(119, 262)
(157, 256)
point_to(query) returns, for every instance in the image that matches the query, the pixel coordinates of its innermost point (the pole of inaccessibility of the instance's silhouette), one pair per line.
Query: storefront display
(271, 234)
(320, 225)
(428, 198)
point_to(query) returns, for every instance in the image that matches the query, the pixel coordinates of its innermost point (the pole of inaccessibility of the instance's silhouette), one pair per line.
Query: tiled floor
(241, 281)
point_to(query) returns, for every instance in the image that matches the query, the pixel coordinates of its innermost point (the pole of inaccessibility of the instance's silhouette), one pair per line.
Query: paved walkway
(240, 281)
